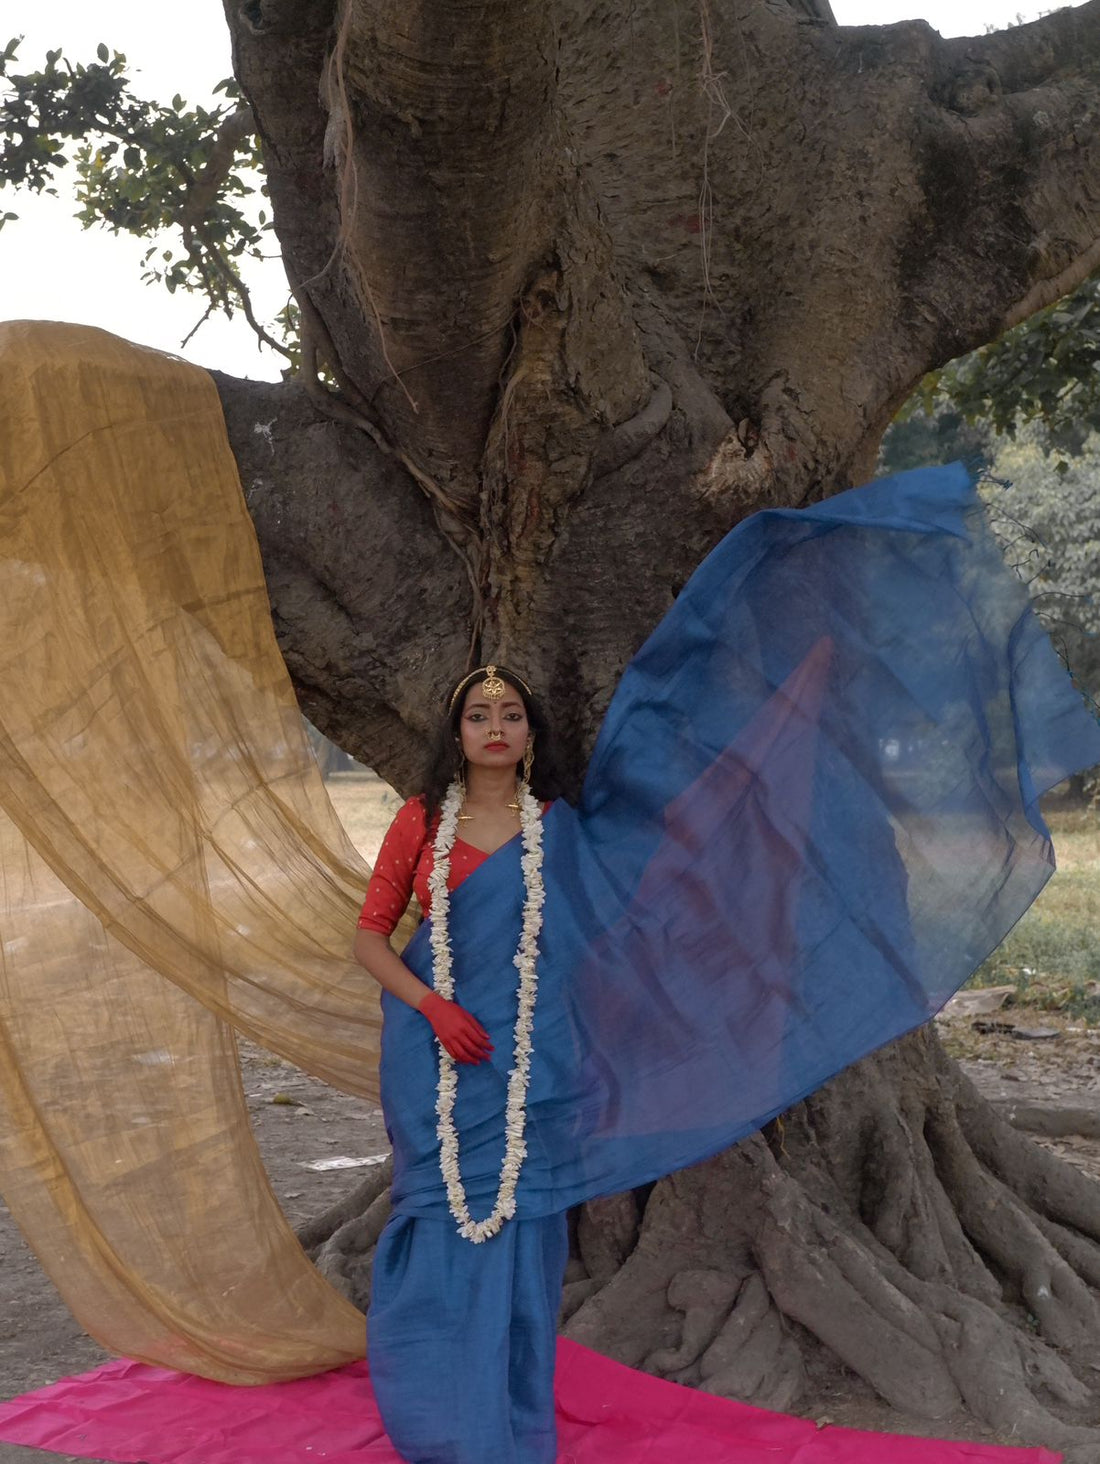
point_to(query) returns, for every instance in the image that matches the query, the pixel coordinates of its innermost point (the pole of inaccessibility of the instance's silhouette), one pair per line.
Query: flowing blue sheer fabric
(810, 814)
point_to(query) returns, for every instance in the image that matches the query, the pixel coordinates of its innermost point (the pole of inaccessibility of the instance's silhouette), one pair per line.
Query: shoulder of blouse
(412, 813)
(405, 835)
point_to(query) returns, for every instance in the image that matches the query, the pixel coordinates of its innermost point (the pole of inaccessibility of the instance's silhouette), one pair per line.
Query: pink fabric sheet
(607, 1414)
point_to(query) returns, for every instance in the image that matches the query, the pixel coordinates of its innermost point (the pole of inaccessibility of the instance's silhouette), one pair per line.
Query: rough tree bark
(583, 284)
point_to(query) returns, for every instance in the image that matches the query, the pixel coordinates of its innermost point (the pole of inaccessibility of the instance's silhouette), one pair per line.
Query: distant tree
(930, 431)
(1050, 527)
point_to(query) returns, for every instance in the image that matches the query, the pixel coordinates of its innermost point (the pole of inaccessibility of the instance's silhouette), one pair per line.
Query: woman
(435, 1298)
(750, 895)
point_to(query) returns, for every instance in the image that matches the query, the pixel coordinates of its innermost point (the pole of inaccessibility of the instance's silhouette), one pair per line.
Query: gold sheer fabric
(161, 816)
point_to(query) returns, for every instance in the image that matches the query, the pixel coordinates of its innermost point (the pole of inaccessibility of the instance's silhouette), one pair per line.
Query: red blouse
(404, 864)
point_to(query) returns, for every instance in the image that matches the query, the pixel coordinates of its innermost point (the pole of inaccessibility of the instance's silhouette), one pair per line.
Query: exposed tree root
(894, 1226)
(321, 1228)
(341, 1241)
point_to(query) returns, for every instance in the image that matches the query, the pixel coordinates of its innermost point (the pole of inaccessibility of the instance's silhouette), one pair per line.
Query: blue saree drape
(812, 811)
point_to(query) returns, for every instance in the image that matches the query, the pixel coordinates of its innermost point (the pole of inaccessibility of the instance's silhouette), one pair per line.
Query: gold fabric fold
(162, 817)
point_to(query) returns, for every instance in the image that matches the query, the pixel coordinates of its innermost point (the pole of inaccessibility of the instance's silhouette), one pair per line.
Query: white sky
(51, 268)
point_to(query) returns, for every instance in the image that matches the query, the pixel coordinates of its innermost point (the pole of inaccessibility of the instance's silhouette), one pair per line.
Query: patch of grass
(1052, 956)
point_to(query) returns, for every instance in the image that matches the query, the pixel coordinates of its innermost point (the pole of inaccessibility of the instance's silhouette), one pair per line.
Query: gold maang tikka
(493, 689)
(494, 686)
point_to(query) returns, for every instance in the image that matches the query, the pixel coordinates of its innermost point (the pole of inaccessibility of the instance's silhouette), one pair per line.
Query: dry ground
(1038, 1053)
(1051, 962)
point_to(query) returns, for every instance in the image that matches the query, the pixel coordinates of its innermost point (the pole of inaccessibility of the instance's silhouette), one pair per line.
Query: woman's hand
(461, 1034)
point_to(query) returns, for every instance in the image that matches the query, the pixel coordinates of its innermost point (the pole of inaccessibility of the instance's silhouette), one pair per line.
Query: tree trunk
(891, 1224)
(582, 285)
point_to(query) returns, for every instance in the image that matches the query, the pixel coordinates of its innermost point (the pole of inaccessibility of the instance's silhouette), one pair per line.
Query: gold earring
(460, 779)
(528, 759)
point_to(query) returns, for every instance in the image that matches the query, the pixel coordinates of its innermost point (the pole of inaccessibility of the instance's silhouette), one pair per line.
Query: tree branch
(825, 241)
(1025, 103)
(438, 121)
(203, 187)
(445, 221)
(370, 644)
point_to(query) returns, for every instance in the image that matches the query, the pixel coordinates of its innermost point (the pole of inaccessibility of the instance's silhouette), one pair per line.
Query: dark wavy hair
(446, 759)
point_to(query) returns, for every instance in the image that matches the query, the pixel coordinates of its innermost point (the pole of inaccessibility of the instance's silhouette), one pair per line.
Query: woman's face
(493, 733)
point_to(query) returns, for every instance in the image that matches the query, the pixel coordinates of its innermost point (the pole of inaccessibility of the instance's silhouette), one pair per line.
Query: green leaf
(133, 161)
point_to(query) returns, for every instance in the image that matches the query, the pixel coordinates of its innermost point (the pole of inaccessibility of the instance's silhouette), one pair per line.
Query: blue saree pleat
(811, 813)
(461, 1340)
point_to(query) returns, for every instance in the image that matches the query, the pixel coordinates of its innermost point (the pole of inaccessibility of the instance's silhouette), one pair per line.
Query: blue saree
(812, 811)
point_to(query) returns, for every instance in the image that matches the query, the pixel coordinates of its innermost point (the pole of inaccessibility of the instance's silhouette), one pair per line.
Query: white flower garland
(526, 959)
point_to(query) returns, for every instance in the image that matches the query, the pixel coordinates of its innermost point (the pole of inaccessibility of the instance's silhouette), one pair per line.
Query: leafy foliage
(1046, 370)
(940, 434)
(1029, 404)
(1045, 514)
(145, 169)
(1049, 525)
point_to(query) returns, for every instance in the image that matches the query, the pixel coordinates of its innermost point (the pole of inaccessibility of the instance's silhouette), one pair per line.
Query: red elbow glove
(461, 1034)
